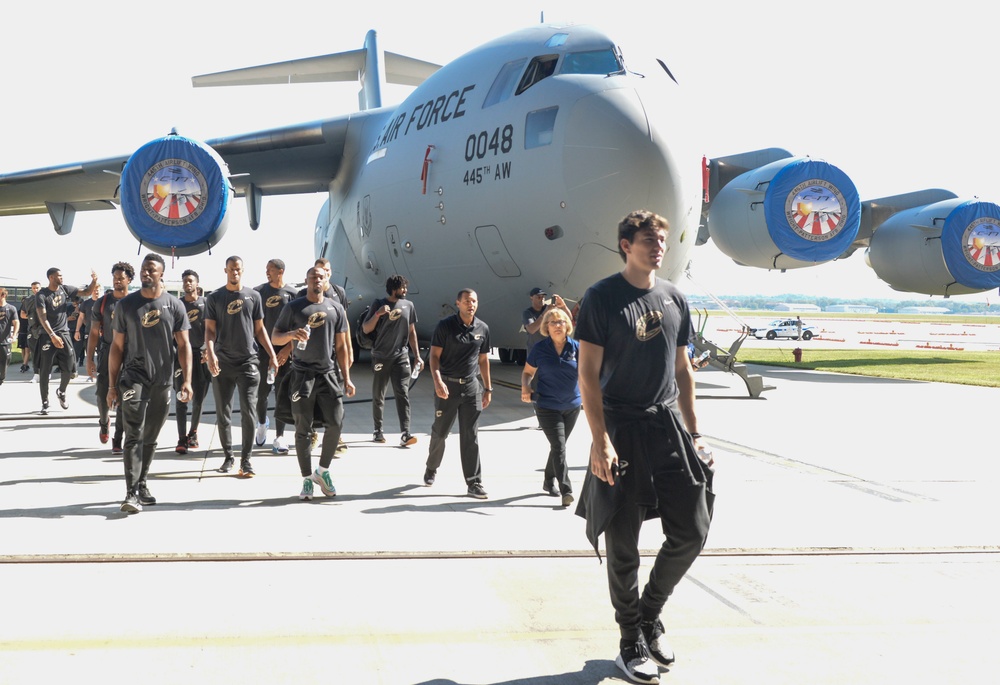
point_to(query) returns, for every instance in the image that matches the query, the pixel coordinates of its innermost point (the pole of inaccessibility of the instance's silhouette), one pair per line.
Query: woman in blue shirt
(557, 395)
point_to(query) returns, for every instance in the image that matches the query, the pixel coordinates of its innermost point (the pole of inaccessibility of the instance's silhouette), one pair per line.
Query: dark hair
(394, 283)
(464, 291)
(53, 270)
(234, 258)
(191, 272)
(153, 257)
(124, 267)
(35, 283)
(277, 264)
(639, 220)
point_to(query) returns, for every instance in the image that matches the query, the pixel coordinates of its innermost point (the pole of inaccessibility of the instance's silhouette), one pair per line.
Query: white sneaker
(634, 661)
(261, 436)
(307, 489)
(279, 446)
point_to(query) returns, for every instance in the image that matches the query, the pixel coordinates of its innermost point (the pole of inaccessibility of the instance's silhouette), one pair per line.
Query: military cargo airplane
(509, 168)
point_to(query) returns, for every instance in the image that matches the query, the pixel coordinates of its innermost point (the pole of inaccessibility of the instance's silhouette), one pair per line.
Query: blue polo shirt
(557, 387)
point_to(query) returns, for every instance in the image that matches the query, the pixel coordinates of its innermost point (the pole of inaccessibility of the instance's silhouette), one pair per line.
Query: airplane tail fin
(369, 66)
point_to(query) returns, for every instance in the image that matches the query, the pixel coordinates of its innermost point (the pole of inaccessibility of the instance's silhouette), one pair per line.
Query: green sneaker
(324, 481)
(307, 489)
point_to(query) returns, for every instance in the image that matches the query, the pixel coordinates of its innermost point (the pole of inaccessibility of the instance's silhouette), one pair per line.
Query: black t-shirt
(196, 317)
(102, 317)
(460, 345)
(8, 315)
(392, 334)
(55, 306)
(324, 319)
(640, 331)
(274, 299)
(149, 326)
(234, 313)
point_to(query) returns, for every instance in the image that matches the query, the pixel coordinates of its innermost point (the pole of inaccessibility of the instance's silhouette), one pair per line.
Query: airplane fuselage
(478, 181)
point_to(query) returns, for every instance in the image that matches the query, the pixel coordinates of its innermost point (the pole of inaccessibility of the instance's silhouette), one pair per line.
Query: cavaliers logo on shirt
(316, 319)
(235, 307)
(193, 315)
(151, 318)
(274, 301)
(394, 314)
(648, 326)
(57, 300)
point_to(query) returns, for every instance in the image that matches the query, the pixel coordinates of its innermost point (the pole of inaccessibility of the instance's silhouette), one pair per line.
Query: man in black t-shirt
(275, 295)
(148, 324)
(52, 306)
(102, 334)
(234, 319)
(9, 325)
(637, 386)
(194, 308)
(315, 327)
(29, 325)
(460, 369)
(393, 321)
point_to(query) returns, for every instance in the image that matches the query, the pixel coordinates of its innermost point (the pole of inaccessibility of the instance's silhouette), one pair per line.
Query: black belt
(460, 381)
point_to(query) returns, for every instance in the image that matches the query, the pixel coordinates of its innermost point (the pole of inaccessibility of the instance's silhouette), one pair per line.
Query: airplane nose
(613, 163)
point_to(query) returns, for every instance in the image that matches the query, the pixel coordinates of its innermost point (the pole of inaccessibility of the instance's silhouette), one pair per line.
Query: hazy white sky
(898, 98)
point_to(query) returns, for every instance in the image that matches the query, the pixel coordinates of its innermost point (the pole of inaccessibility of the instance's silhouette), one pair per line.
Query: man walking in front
(234, 318)
(638, 393)
(393, 321)
(319, 377)
(148, 324)
(460, 369)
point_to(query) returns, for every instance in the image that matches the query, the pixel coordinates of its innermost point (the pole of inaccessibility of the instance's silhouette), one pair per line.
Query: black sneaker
(61, 396)
(246, 471)
(182, 446)
(131, 504)
(549, 486)
(143, 495)
(429, 475)
(192, 440)
(227, 465)
(405, 440)
(24, 368)
(378, 437)
(659, 648)
(116, 447)
(476, 490)
(634, 660)
(45, 408)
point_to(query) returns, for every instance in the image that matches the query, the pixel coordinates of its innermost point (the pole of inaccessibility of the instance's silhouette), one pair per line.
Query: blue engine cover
(175, 195)
(970, 242)
(812, 210)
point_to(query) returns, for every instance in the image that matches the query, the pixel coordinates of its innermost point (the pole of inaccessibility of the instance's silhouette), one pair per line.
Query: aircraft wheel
(504, 354)
(771, 335)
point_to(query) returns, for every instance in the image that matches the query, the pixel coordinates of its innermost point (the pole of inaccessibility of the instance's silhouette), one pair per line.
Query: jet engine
(789, 213)
(951, 247)
(175, 195)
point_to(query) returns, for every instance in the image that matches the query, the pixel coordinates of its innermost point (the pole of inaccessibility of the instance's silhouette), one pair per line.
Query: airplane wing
(301, 158)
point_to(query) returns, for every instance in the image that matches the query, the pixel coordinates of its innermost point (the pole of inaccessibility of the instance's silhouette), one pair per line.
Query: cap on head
(537, 291)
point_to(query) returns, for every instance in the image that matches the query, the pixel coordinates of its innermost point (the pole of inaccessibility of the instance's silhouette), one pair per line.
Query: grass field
(965, 368)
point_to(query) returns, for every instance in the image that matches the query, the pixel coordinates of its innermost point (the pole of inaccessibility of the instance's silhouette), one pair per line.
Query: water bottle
(418, 366)
(271, 372)
(302, 343)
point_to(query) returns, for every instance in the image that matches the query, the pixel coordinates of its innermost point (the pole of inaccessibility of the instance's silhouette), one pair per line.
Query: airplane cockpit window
(503, 85)
(557, 40)
(591, 62)
(539, 127)
(539, 69)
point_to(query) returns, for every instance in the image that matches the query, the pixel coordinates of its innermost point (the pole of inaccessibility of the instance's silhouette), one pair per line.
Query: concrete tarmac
(854, 541)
